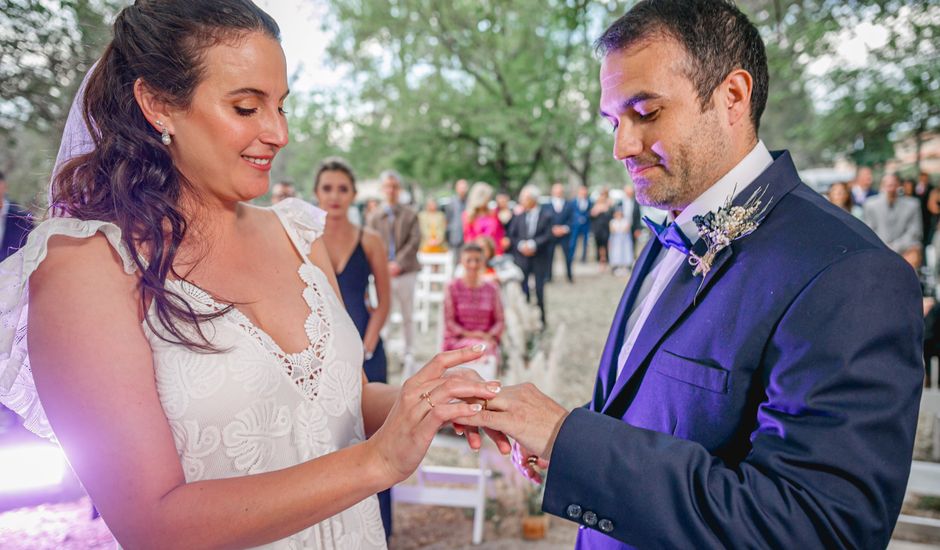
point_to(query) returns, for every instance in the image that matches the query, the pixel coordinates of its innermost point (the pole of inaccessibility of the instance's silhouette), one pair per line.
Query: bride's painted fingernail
(495, 388)
(479, 348)
(476, 407)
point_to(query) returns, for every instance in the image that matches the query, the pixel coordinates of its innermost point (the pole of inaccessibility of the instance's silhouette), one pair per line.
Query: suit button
(574, 511)
(589, 518)
(605, 525)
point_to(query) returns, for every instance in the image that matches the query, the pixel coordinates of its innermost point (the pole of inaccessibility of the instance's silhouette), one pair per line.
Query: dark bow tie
(669, 235)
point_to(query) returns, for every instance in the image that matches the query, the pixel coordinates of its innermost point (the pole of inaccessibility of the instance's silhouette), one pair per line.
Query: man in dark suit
(530, 239)
(562, 212)
(580, 223)
(754, 401)
(15, 223)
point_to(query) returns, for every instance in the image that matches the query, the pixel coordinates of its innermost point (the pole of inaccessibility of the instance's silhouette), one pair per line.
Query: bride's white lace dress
(249, 409)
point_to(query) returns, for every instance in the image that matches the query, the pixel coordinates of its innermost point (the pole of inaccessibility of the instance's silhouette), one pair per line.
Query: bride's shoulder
(71, 243)
(78, 254)
(305, 219)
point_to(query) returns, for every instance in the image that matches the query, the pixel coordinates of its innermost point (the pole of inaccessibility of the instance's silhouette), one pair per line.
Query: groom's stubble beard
(689, 170)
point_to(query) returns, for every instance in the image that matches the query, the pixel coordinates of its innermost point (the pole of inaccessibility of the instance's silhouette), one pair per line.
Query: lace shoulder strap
(303, 221)
(17, 390)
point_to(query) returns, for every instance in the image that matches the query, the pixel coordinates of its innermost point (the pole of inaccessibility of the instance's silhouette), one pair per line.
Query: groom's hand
(527, 463)
(525, 414)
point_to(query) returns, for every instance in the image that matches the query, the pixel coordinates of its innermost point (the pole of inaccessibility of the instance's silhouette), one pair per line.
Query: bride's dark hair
(129, 178)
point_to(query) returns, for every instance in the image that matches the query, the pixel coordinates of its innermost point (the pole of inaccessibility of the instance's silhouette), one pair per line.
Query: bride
(187, 349)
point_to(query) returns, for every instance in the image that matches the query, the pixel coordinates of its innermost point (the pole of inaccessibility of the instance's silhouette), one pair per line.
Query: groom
(772, 401)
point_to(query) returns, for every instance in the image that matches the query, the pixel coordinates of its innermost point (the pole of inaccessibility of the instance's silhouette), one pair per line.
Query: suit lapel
(684, 290)
(607, 374)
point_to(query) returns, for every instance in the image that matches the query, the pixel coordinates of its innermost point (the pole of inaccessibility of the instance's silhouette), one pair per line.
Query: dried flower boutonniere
(728, 223)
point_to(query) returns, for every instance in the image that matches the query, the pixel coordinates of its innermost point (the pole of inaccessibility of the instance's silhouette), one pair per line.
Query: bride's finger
(445, 391)
(445, 360)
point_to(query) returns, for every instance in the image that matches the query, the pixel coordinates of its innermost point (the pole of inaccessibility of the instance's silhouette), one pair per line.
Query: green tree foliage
(894, 97)
(493, 90)
(45, 48)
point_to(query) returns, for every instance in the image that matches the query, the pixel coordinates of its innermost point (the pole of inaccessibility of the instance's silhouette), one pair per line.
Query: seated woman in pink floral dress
(473, 311)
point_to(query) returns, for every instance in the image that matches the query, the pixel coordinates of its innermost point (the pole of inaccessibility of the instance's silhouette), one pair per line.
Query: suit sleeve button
(589, 518)
(574, 511)
(605, 525)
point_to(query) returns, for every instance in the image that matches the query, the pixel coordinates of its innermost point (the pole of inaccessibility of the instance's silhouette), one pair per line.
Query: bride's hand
(474, 439)
(426, 402)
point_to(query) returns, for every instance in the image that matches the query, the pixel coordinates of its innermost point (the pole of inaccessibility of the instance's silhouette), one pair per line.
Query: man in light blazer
(399, 228)
(746, 396)
(895, 219)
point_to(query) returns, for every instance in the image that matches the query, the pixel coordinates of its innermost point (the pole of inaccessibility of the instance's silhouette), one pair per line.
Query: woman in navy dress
(356, 252)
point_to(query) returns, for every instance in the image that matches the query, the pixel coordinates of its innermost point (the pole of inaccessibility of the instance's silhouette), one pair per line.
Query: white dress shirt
(666, 265)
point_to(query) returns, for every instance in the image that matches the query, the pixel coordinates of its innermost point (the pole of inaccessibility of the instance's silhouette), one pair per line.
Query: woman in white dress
(188, 350)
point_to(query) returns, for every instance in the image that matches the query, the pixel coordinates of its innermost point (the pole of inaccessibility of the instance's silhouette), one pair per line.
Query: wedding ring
(532, 461)
(427, 397)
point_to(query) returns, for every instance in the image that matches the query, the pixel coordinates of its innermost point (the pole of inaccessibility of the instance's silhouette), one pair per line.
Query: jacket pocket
(706, 376)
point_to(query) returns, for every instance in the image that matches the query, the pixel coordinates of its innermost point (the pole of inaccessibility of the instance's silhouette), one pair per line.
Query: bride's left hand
(474, 439)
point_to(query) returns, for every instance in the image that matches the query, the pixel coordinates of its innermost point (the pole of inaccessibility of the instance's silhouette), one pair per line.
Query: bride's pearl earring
(165, 136)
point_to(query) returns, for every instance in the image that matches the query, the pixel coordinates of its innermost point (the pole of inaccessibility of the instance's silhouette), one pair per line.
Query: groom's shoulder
(808, 232)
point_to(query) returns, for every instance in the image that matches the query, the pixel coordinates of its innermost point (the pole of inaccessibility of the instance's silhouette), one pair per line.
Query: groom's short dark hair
(716, 35)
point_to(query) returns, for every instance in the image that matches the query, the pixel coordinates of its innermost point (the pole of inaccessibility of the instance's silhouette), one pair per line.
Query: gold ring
(532, 461)
(427, 397)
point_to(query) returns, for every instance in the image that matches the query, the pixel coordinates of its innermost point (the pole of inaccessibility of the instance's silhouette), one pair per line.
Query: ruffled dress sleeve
(305, 221)
(17, 389)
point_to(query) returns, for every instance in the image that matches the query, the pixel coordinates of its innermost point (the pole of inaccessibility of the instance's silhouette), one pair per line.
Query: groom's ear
(735, 97)
(153, 106)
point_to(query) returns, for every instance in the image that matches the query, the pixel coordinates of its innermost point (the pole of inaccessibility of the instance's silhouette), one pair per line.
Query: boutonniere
(729, 223)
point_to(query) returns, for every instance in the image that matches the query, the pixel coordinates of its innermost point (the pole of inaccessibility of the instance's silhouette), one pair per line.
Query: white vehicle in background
(821, 178)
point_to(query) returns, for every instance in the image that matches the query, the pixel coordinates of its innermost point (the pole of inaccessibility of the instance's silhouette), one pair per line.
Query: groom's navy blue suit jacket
(771, 405)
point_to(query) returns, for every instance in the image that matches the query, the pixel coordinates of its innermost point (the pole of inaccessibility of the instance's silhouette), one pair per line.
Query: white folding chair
(437, 270)
(471, 492)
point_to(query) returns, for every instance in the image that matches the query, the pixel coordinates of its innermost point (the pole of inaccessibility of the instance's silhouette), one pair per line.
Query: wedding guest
(188, 350)
(398, 225)
(562, 217)
(486, 244)
(531, 238)
(504, 213)
(282, 190)
(630, 208)
(923, 189)
(15, 223)
(454, 212)
(473, 311)
(356, 253)
(580, 223)
(621, 244)
(370, 207)
(860, 187)
(895, 218)
(479, 219)
(503, 209)
(838, 194)
(601, 214)
(433, 226)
